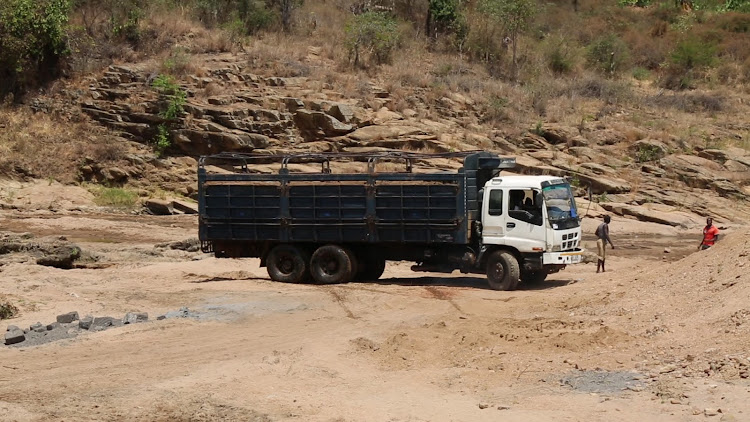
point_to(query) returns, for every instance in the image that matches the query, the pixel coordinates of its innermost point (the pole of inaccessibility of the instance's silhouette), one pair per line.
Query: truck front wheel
(533, 276)
(502, 271)
(288, 264)
(332, 264)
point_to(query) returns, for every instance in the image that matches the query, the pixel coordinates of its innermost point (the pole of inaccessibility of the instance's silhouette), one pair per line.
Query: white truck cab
(535, 218)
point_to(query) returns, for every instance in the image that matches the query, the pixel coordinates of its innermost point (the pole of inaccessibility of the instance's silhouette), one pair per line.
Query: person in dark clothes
(602, 237)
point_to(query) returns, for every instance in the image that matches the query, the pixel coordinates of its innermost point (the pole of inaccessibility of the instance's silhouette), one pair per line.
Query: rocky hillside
(233, 106)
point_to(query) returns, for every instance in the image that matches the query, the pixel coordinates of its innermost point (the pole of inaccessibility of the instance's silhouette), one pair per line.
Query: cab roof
(523, 181)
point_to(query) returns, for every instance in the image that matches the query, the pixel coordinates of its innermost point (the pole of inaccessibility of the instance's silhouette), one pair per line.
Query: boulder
(717, 155)
(385, 115)
(333, 127)
(342, 112)
(267, 115)
(60, 256)
(316, 124)
(556, 134)
(531, 141)
(292, 104)
(38, 328)
(159, 207)
(185, 207)
(115, 174)
(200, 142)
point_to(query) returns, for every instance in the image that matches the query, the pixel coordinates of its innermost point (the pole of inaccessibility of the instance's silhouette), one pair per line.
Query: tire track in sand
(440, 294)
(340, 299)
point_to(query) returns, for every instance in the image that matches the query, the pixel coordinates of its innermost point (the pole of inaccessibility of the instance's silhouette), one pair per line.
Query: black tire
(332, 264)
(288, 264)
(356, 263)
(502, 271)
(532, 277)
(371, 267)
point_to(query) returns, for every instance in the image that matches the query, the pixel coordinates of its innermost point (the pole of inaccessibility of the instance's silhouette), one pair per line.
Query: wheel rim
(286, 265)
(330, 265)
(497, 271)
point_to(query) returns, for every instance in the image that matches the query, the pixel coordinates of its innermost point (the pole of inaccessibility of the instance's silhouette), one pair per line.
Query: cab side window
(525, 206)
(496, 202)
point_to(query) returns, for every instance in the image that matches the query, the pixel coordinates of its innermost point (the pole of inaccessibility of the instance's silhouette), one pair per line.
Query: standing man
(710, 234)
(602, 237)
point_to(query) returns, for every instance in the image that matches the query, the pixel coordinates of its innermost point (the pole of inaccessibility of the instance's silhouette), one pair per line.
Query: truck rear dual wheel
(370, 267)
(502, 271)
(332, 264)
(288, 264)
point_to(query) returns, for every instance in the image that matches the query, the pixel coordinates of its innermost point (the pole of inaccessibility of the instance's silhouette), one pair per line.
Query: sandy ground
(659, 337)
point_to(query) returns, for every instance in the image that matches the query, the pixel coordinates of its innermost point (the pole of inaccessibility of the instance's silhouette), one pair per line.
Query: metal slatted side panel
(417, 213)
(241, 212)
(391, 207)
(328, 213)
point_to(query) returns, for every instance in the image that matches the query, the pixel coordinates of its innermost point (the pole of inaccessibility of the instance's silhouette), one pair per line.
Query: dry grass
(41, 146)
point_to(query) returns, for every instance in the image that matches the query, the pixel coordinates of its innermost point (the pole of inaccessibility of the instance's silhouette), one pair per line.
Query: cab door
(524, 226)
(493, 216)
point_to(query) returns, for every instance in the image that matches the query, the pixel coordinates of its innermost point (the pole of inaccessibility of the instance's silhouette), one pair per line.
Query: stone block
(135, 317)
(38, 328)
(102, 322)
(86, 322)
(15, 336)
(67, 318)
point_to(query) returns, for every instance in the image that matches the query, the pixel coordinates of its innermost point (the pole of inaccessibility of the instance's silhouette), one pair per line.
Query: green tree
(514, 16)
(371, 34)
(442, 16)
(32, 39)
(742, 6)
(690, 58)
(174, 97)
(608, 54)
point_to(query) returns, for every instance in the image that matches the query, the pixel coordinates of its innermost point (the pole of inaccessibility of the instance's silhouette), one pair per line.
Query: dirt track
(655, 338)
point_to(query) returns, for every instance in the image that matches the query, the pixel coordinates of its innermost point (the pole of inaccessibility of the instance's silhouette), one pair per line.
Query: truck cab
(535, 219)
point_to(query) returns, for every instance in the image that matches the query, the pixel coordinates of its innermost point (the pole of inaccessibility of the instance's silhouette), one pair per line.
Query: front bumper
(574, 256)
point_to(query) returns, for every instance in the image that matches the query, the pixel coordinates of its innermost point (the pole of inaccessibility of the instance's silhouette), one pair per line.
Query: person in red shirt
(710, 234)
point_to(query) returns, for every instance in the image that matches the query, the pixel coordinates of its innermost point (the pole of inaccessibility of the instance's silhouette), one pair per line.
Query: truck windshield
(561, 206)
